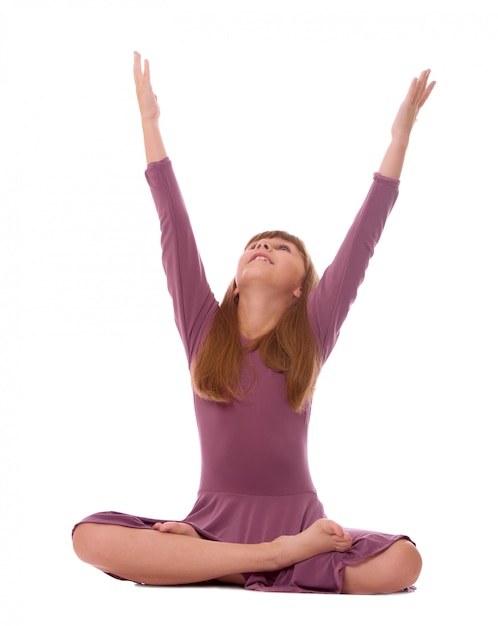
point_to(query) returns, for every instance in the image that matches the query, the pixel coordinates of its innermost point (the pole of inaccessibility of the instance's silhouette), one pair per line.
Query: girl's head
(282, 259)
(289, 348)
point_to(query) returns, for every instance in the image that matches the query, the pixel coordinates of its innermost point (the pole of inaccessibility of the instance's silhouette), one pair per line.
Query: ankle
(280, 550)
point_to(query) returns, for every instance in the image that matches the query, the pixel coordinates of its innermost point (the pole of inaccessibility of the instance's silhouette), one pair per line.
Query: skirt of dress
(240, 518)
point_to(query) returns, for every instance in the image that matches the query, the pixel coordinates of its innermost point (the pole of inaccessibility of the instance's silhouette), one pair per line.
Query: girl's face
(273, 262)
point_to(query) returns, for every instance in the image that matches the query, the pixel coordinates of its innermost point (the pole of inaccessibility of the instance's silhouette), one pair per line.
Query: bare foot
(176, 528)
(324, 535)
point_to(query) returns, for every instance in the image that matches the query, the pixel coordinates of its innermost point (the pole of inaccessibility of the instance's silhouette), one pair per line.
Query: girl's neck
(259, 316)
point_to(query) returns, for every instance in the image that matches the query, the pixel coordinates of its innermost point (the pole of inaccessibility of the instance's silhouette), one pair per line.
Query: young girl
(254, 361)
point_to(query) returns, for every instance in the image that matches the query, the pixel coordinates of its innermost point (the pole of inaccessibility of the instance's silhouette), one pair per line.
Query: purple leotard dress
(255, 482)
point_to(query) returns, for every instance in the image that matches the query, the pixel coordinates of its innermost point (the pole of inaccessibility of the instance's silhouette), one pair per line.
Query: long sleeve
(193, 301)
(329, 303)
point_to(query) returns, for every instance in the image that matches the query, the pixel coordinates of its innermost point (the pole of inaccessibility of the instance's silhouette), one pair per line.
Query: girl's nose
(263, 244)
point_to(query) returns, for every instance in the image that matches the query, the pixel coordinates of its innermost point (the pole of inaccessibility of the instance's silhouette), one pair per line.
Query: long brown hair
(289, 347)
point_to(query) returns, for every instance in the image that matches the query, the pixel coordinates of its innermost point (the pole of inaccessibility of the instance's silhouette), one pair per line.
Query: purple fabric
(255, 482)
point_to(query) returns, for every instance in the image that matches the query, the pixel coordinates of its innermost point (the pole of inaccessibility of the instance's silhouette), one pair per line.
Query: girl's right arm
(193, 302)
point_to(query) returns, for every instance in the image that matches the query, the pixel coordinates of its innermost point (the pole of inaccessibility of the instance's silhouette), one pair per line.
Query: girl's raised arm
(149, 110)
(419, 91)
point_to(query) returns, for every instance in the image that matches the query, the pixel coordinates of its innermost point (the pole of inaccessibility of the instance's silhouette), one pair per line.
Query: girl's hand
(147, 100)
(419, 91)
(417, 95)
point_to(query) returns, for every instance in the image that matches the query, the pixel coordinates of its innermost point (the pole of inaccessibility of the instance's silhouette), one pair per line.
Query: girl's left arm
(329, 303)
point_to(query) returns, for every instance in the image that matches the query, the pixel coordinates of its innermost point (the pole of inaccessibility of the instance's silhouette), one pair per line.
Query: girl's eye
(284, 247)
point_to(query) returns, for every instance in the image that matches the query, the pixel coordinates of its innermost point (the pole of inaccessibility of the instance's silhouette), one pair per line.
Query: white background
(275, 115)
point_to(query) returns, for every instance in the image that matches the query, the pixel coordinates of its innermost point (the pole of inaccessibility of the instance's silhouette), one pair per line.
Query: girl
(254, 361)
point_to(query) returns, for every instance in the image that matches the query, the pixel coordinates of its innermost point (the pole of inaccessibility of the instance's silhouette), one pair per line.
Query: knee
(390, 571)
(89, 543)
(406, 564)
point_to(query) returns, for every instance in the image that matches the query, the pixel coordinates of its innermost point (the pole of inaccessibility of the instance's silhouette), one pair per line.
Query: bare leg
(180, 528)
(394, 569)
(166, 558)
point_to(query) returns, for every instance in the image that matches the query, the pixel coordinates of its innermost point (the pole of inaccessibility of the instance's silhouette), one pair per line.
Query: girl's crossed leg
(173, 554)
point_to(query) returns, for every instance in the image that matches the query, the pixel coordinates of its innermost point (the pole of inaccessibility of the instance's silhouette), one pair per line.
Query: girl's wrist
(150, 121)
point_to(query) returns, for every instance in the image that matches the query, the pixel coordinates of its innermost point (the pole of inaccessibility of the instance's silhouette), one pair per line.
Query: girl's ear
(297, 292)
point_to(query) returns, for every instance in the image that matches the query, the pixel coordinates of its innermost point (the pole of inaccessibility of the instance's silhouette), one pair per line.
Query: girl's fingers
(136, 66)
(419, 91)
(427, 93)
(424, 90)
